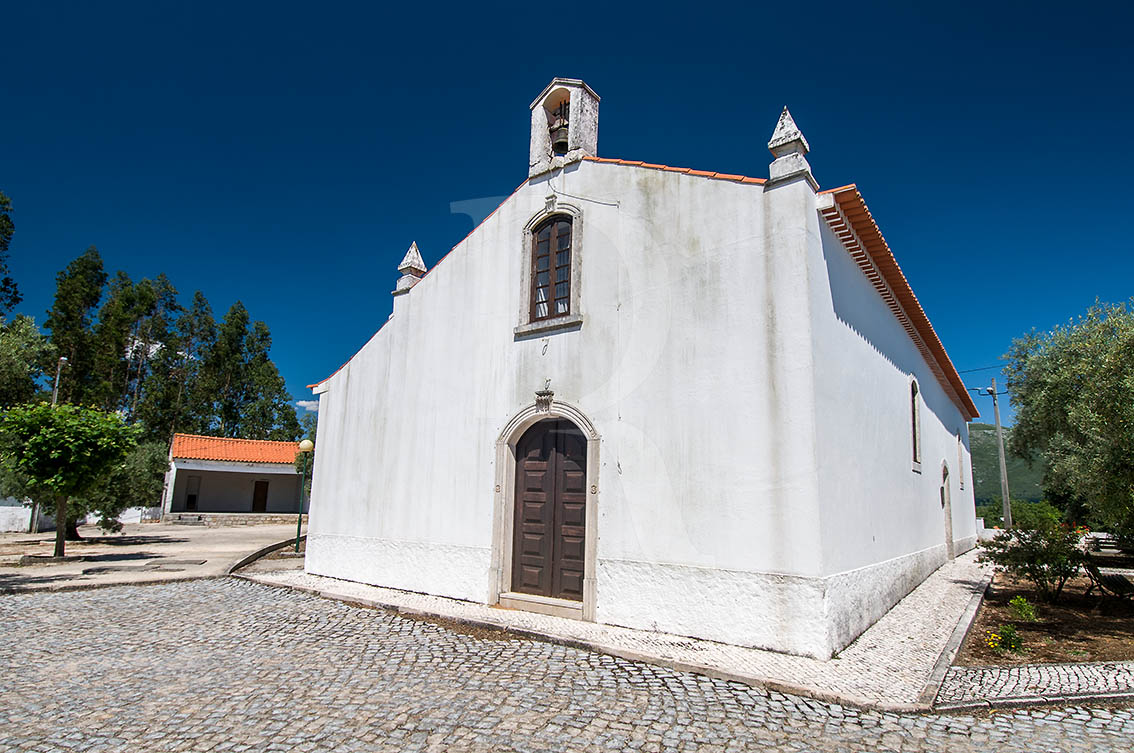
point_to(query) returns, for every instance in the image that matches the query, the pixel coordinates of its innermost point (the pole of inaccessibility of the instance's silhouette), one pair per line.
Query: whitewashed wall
(883, 525)
(15, 517)
(694, 363)
(229, 487)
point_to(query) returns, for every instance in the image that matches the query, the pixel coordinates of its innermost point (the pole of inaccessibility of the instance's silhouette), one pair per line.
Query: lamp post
(305, 448)
(33, 523)
(1006, 501)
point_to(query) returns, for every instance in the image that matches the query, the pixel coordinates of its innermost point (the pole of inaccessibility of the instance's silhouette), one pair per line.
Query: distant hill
(1024, 481)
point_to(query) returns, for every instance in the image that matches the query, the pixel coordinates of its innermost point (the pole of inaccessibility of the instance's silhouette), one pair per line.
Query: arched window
(915, 423)
(551, 269)
(960, 461)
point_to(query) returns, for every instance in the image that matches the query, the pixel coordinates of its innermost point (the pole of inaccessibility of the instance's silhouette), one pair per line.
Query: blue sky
(286, 154)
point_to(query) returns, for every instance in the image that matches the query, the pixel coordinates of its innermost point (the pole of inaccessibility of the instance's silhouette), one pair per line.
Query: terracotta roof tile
(850, 204)
(195, 447)
(668, 169)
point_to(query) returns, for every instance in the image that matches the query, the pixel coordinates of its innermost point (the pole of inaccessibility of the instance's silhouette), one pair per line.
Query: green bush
(1047, 553)
(1035, 515)
(1024, 514)
(1023, 609)
(1004, 639)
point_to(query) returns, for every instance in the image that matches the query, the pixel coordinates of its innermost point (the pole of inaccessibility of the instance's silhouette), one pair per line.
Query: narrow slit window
(915, 422)
(961, 462)
(551, 269)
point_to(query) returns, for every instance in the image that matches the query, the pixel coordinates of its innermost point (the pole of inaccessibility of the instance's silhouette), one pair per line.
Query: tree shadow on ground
(129, 540)
(119, 557)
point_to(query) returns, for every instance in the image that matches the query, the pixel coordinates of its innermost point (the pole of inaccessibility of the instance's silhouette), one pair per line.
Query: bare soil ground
(1078, 628)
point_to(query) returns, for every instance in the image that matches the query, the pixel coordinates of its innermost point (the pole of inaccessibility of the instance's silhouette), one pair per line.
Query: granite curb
(1019, 702)
(261, 552)
(953, 646)
(18, 591)
(764, 683)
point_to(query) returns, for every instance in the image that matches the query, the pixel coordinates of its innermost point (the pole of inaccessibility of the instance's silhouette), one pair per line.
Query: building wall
(883, 525)
(232, 491)
(695, 363)
(703, 466)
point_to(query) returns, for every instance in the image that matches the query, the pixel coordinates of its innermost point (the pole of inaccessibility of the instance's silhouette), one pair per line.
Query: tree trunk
(73, 529)
(60, 523)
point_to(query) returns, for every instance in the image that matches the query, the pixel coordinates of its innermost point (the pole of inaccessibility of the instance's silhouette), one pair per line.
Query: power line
(982, 368)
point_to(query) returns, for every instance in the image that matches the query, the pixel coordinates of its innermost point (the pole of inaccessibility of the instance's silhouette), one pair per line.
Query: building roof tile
(668, 169)
(195, 447)
(851, 221)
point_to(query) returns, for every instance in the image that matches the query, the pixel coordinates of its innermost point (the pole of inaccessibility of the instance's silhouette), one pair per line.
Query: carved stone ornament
(543, 400)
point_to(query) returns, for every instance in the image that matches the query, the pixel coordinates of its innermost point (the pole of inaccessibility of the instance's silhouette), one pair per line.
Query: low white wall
(760, 610)
(14, 519)
(15, 516)
(459, 572)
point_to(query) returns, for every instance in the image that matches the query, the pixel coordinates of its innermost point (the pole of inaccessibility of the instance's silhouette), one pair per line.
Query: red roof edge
(668, 169)
(200, 447)
(853, 207)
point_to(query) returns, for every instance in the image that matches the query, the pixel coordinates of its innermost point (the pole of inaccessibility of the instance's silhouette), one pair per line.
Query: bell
(559, 136)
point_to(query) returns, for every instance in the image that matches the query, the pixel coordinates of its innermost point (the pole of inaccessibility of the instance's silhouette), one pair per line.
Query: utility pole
(58, 373)
(1006, 500)
(33, 523)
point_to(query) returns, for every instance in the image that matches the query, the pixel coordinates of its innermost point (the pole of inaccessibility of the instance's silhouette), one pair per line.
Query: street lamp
(305, 448)
(1006, 502)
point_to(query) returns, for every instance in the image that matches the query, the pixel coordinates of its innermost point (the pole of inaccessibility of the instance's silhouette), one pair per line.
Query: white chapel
(657, 397)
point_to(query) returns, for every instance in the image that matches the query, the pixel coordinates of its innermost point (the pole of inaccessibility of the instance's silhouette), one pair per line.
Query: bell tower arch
(564, 125)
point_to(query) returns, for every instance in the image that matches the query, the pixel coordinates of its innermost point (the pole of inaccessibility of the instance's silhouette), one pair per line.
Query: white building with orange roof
(670, 399)
(218, 475)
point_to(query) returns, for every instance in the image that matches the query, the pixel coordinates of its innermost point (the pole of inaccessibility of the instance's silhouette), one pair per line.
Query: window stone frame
(913, 398)
(573, 319)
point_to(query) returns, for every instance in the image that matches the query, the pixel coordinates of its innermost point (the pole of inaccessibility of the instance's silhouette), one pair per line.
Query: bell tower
(564, 125)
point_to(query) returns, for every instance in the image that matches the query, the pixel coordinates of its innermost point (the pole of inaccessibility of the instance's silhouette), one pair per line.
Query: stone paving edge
(1019, 702)
(18, 591)
(763, 683)
(953, 645)
(262, 552)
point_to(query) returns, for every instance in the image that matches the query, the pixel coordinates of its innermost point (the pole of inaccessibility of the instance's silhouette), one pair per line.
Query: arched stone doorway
(947, 506)
(547, 463)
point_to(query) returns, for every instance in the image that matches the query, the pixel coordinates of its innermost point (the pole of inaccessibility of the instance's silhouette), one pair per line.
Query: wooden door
(548, 547)
(260, 497)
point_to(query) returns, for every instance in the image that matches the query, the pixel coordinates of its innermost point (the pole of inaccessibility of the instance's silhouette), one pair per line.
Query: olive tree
(1073, 389)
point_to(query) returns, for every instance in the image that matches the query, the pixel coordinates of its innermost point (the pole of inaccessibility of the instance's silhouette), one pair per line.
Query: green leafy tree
(170, 399)
(9, 292)
(1073, 389)
(133, 326)
(78, 289)
(135, 482)
(23, 353)
(243, 385)
(63, 451)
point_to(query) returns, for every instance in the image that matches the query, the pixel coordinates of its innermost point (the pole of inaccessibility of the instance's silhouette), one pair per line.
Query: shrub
(1035, 515)
(1023, 609)
(1004, 639)
(1047, 554)
(1024, 514)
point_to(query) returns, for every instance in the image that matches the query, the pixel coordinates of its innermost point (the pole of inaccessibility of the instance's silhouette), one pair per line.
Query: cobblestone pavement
(888, 665)
(229, 665)
(968, 684)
